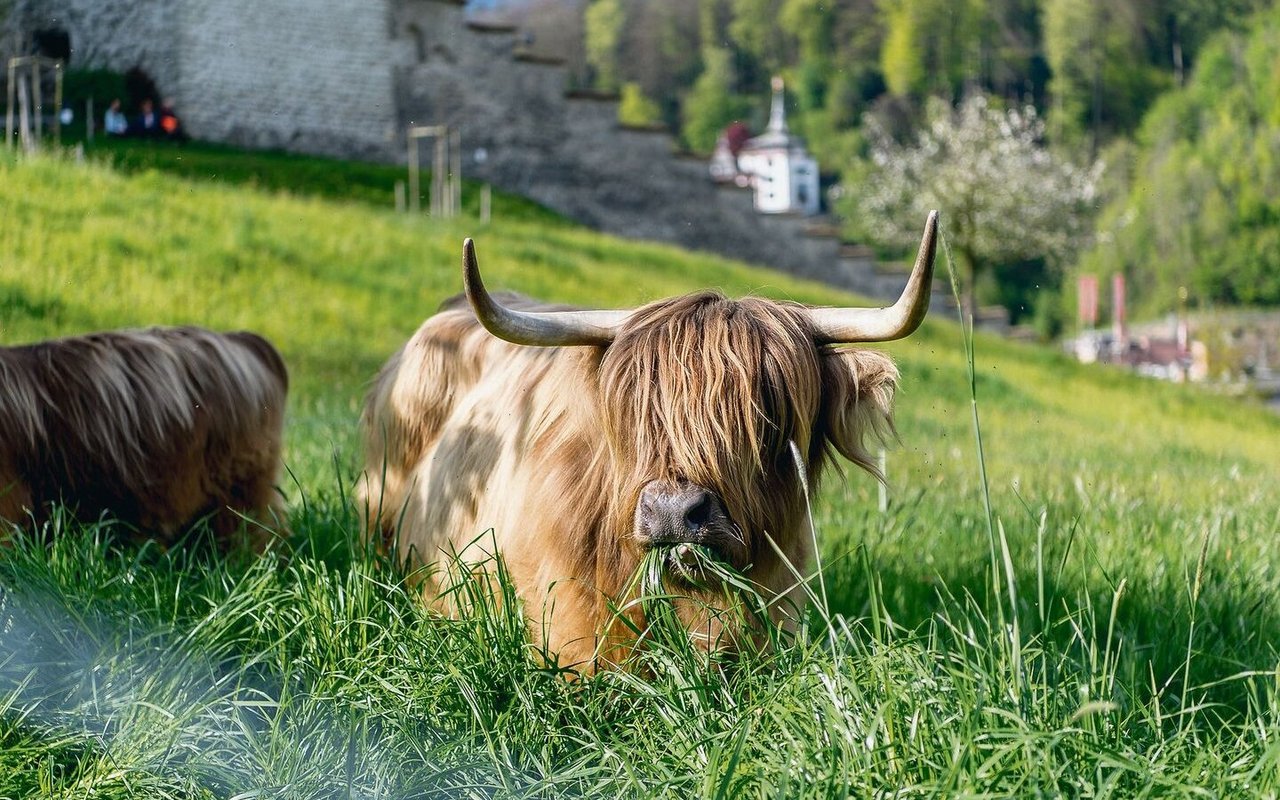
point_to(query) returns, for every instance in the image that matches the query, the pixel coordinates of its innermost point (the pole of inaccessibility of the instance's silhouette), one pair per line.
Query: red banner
(1117, 300)
(1087, 297)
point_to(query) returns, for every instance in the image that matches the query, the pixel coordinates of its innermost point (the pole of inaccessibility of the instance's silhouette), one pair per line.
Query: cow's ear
(857, 403)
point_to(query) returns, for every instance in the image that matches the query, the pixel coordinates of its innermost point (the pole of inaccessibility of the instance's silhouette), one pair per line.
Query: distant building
(783, 174)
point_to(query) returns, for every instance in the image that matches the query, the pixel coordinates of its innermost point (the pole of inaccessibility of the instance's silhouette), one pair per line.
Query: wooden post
(24, 119)
(439, 176)
(455, 196)
(415, 188)
(89, 124)
(444, 194)
(12, 102)
(57, 103)
(26, 100)
(37, 99)
(486, 198)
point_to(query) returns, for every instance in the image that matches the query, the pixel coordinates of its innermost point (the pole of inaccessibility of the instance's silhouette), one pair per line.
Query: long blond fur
(550, 447)
(153, 427)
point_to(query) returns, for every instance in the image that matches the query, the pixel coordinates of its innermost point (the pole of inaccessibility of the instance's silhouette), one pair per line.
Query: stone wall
(113, 35)
(308, 75)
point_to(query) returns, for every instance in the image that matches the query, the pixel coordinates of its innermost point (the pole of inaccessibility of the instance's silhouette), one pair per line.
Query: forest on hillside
(1154, 122)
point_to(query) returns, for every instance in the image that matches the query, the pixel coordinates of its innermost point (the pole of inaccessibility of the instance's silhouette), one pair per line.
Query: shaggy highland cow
(157, 428)
(584, 439)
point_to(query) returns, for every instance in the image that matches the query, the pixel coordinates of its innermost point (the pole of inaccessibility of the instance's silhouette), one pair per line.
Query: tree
(711, 104)
(1003, 196)
(1103, 71)
(761, 44)
(1200, 211)
(636, 109)
(811, 23)
(660, 51)
(603, 24)
(931, 46)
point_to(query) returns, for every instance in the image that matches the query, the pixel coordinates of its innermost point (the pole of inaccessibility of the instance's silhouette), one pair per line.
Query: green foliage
(1100, 81)
(811, 24)
(660, 51)
(100, 85)
(761, 44)
(931, 45)
(711, 104)
(1202, 206)
(636, 109)
(603, 25)
(904, 71)
(1113, 637)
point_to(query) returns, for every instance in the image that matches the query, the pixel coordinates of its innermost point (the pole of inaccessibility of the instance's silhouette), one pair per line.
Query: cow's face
(702, 398)
(712, 407)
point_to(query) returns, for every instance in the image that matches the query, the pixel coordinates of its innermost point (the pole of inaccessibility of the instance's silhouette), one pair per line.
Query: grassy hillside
(1109, 629)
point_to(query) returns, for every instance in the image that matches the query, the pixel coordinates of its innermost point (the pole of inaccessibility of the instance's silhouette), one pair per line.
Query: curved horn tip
(931, 225)
(470, 267)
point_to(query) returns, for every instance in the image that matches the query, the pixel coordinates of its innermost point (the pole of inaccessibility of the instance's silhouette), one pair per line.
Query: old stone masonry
(347, 77)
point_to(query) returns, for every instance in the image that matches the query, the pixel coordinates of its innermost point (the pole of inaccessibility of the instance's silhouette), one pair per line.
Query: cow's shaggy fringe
(714, 390)
(154, 427)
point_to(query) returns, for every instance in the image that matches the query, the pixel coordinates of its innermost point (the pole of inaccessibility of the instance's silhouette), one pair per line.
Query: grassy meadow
(1091, 610)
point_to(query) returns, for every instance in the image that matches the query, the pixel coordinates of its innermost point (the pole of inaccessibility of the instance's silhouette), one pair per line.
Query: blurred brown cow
(586, 438)
(156, 428)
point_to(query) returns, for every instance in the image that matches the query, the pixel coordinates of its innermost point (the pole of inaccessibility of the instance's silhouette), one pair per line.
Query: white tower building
(784, 175)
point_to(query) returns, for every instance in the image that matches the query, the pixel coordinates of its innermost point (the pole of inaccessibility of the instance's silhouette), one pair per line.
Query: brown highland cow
(584, 439)
(156, 428)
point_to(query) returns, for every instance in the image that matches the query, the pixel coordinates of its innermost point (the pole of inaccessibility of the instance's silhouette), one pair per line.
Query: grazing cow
(156, 428)
(585, 438)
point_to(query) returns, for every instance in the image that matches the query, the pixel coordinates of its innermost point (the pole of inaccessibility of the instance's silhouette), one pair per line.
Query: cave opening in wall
(139, 86)
(52, 43)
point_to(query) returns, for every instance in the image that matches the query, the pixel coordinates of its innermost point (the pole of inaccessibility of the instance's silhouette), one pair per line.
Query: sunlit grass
(1134, 563)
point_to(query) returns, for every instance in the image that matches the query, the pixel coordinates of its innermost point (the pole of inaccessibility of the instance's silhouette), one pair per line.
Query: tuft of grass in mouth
(693, 564)
(690, 572)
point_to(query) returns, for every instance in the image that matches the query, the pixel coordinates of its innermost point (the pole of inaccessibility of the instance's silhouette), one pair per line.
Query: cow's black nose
(670, 513)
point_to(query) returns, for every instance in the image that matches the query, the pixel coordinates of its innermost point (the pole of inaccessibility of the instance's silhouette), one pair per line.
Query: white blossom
(1003, 195)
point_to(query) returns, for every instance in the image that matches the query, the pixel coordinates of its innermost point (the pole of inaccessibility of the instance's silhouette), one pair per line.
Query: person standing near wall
(147, 123)
(170, 124)
(114, 122)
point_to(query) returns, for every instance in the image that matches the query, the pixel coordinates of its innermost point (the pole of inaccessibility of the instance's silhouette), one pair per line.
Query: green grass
(1113, 636)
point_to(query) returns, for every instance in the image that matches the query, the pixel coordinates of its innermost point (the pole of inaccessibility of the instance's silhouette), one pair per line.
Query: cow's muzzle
(671, 513)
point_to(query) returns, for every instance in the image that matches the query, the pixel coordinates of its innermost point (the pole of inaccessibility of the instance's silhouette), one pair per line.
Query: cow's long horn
(837, 325)
(537, 328)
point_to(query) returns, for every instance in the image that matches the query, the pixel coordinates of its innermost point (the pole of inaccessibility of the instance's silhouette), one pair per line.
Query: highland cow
(584, 439)
(155, 428)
